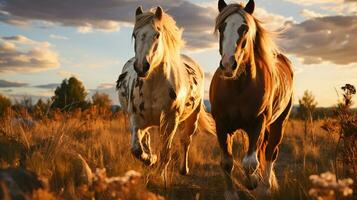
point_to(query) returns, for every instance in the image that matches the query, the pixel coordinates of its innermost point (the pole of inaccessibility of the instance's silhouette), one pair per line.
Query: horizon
(42, 44)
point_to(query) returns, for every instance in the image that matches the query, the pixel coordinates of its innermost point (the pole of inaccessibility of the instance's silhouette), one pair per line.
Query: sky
(44, 42)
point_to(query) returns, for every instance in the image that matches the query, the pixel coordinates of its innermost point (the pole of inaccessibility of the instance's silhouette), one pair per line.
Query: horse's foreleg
(147, 147)
(250, 161)
(225, 141)
(189, 129)
(272, 149)
(168, 126)
(138, 148)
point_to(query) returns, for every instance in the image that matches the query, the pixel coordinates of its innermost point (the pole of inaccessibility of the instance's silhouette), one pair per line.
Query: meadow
(53, 146)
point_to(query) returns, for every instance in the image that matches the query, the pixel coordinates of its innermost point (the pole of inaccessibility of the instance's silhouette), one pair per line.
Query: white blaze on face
(145, 38)
(230, 38)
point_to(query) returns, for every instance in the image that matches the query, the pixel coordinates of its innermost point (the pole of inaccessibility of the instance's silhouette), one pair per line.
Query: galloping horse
(161, 87)
(251, 90)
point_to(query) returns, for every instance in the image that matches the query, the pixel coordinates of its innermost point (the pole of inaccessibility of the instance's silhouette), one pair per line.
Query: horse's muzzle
(143, 70)
(228, 69)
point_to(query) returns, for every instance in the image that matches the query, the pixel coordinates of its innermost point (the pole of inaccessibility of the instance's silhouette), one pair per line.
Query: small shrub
(326, 187)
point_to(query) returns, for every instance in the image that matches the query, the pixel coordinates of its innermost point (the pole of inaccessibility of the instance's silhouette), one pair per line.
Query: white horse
(161, 87)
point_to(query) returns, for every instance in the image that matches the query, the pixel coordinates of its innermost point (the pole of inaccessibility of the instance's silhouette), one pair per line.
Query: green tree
(307, 105)
(4, 103)
(101, 100)
(70, 94)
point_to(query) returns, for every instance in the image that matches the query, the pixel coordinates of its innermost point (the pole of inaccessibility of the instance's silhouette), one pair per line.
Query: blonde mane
(261, 48)
(171, 33)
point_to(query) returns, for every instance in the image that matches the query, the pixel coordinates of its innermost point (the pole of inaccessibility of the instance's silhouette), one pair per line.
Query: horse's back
(190, 63)
(124, 81)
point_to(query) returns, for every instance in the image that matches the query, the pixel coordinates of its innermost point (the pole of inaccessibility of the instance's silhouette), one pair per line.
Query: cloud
(326, 39)
(11, 84)
(19, 39)
(67, 74)
(7, 90)
(48, 86)
(272, 21)
(341, 7)
(58, 37)
(314, 2)
(110, 15)
(106, 85)
(309, 14)
(85, 29)
(21, 54)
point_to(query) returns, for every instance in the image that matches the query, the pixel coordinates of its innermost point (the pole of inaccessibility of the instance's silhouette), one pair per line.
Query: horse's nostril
(235, 65)
(146, 66)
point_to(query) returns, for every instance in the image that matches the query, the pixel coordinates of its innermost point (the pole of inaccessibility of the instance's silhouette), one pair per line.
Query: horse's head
(233, 24)
(147, 35)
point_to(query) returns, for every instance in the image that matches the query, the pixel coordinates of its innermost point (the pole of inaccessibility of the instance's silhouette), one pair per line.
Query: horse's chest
(148, 102)
(234, 109)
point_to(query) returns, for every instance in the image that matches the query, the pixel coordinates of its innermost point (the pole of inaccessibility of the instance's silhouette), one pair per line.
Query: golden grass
(52, 146)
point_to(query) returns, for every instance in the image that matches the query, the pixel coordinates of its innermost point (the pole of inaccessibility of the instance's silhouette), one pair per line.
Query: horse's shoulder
(127, 71)
(129, 65)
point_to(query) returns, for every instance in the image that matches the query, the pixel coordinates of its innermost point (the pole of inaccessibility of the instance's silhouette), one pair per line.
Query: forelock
(143, 19)
(226, 12)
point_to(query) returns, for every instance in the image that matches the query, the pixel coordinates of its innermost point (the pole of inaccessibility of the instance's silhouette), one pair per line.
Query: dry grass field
(51, 148)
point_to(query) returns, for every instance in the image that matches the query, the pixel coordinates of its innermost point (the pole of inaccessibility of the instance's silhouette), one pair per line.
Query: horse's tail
(206, 122)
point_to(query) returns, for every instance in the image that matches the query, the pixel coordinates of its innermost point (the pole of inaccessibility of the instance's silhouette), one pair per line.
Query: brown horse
(251, 90)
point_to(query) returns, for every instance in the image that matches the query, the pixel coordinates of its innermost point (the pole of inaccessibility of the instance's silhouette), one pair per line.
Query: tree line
(69, 95)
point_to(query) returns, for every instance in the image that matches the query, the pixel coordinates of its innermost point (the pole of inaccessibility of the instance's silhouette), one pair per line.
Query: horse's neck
(165, 67)
(172, 71)
(249, 70)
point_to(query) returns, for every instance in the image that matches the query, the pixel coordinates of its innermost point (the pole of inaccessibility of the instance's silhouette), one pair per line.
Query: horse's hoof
(262, 192)
(151, 160)
(252, 181)
(250, 163)
(184, 171)
(231, 195)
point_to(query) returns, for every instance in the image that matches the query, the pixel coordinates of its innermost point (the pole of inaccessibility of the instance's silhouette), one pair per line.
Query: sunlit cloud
(309, 14)
(48, 86)
(67, 74)
(58, 37)
(106, 85)
(325, 39)
(21, 54)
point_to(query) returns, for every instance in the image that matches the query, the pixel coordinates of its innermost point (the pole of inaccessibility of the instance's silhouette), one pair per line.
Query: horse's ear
(221, 5)
(249, 8)
(139, 11)
(158, 13)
